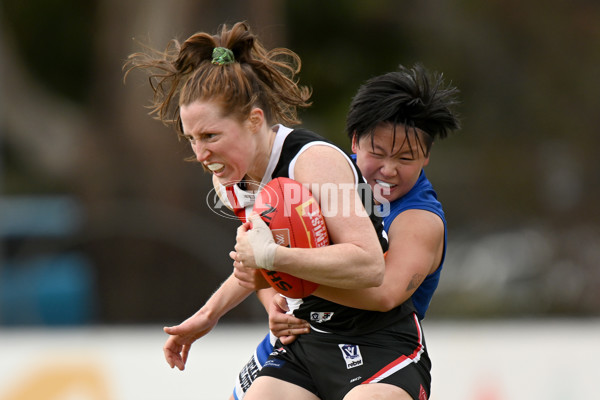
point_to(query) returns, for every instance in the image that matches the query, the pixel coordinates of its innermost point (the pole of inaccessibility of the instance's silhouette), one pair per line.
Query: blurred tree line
(520, 183)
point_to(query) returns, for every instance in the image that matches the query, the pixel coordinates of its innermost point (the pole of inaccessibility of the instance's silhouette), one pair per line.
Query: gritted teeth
(384, 184)
(215, 166)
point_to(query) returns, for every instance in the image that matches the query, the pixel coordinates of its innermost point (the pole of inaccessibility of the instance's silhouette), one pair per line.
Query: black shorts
(330, 365)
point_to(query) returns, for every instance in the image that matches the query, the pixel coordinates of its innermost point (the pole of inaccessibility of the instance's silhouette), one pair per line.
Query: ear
(354, 143)
(256, 119)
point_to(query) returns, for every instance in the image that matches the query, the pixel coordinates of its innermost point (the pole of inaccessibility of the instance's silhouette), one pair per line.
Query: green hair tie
(222, 56)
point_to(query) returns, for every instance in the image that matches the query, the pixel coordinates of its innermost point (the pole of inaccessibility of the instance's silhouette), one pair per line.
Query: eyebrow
(199, 135)
(410, 151)
(402, 149)
(377, 148)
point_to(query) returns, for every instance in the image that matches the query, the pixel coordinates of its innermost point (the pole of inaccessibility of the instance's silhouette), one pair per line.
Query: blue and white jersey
(421, 197)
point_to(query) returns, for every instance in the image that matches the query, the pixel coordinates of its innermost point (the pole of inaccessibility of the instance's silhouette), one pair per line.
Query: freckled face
(391, 171)
(223, 145)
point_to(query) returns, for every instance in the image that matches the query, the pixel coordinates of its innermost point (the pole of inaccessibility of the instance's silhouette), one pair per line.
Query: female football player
(235, 102)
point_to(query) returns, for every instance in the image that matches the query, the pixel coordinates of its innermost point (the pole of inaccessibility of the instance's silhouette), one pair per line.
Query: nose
(388, 169)
(201, 152)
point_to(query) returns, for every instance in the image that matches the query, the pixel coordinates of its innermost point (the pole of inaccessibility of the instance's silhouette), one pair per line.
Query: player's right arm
(177, 346)
(227, 297)
(182, 336)
(416, 245)
(353, 261)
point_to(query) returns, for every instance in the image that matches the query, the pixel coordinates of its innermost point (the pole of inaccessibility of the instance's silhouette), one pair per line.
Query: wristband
(263, 245)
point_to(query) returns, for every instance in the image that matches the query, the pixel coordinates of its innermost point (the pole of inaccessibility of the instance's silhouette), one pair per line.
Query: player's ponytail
(231, 67)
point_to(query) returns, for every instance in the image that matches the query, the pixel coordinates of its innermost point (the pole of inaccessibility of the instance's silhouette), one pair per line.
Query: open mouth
(385, 184)
(215, 167)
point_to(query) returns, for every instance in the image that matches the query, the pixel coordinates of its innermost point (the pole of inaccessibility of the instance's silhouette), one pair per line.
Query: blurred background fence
(91, 186)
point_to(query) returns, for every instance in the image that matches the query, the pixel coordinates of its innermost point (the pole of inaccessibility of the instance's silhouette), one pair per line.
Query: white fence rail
(503, 360)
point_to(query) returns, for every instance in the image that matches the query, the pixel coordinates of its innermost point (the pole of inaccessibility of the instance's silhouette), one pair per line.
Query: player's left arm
(355, 259)
(416, 243)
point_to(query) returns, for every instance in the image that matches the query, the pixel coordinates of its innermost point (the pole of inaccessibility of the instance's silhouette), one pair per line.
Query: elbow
(379, 271)
(375, 280)
(375, 274)
(365, 280)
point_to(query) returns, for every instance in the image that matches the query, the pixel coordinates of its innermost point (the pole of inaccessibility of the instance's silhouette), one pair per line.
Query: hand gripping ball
(295, 220)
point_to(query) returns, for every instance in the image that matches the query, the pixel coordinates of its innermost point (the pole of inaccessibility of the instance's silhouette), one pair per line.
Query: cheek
(238, 157)
(411, 175)
(367, 168)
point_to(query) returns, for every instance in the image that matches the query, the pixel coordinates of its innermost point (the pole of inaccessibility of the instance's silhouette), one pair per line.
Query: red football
(295, 219)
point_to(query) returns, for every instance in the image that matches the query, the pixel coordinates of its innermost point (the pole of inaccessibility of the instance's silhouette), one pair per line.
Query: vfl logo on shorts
(319, 316)
(352, 355)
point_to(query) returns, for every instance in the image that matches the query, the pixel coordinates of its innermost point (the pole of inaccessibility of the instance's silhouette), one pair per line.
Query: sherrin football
(295, 220)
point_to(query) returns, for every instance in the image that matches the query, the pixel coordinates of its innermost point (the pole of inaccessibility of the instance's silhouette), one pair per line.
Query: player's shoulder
(417, 223)
(323, 150)
(323, 164)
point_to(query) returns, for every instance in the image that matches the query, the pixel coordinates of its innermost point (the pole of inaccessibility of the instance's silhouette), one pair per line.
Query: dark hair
(258, 78)
(411, 97)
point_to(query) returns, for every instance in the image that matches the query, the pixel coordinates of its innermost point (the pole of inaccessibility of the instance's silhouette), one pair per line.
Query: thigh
(379, 391)
(250, 371)
(385, 363)
(268, 388)
(331, 365)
